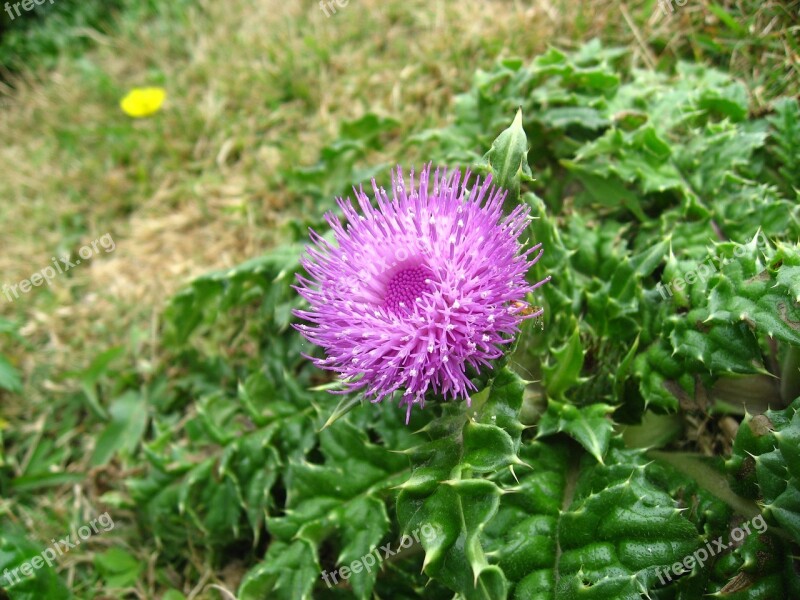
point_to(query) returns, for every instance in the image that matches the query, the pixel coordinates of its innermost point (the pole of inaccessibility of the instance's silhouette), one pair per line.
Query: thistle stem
(790, 375)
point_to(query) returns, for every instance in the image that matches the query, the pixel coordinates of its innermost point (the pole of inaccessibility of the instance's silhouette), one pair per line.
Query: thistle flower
(417, 291)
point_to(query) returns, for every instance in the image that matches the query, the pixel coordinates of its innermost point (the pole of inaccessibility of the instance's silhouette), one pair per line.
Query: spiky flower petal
(414, 292)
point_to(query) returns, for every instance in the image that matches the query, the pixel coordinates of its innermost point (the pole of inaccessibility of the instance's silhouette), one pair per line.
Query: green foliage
(765, 465)
(337, 169)
(449, 491)
(578, 529)
(119, 568)
(648, 180)
(343, 498)
(785, 131)
(39, 36)
(588, 425)
(15, 550)
(9, 377)
(643, 180)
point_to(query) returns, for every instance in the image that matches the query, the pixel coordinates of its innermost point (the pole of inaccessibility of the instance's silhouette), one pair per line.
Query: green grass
(64, 29)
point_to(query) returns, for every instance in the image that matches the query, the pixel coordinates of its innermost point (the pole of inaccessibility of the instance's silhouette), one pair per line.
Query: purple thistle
(413, 293)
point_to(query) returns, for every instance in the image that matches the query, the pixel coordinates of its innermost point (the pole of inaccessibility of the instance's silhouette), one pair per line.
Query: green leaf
(720, 349)
(589, 425)
(288, 572)
(566, 116)
(445, 490)
(564, 369)
(607, 190)
(785, 138)
(575, 528)
(16, 550)
(9, 377)
(346, 404)
(457, 511)
(624, 371)
(789, 277)
(765, 464)
(267, 278)
(128, 415)
(34, 481)
(726, 18)
(119, 568)
(91, 376)
(341, 502)
(735, 300)
(646, 262)
(655, 431)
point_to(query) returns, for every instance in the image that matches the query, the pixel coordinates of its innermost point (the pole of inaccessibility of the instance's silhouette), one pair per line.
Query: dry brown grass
(195, 188)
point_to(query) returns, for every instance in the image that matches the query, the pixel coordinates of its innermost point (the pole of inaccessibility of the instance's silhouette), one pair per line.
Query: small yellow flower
(143, 102)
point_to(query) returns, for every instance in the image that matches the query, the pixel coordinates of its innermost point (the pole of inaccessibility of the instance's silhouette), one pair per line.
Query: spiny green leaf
(767, 455)
(457, 511)
(341, 501)
(288, 572)
(589, 425)
(751, 304)
(564, 370)
(443, 493)
(585, 530)
(346, 404)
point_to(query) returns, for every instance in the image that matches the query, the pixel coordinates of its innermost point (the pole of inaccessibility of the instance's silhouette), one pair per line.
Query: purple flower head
(414, 292)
